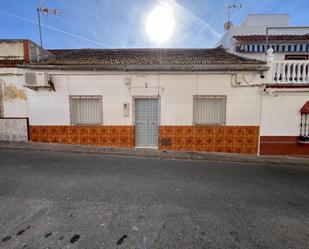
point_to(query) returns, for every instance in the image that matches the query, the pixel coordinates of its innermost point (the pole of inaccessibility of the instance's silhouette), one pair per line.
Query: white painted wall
(11, 85)
(242, 106)
(280, 114)
(176, 95)
(270, 20)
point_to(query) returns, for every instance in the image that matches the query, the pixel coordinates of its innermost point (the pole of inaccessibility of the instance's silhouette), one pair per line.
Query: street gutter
(150, 153)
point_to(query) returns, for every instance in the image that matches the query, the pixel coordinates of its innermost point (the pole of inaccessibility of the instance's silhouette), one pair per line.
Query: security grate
(86, 110)
(209, 110)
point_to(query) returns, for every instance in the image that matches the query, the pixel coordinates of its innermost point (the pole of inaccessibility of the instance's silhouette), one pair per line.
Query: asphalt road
(63, 200)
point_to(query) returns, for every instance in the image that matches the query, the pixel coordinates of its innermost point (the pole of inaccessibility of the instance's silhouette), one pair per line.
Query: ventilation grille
(30, 79)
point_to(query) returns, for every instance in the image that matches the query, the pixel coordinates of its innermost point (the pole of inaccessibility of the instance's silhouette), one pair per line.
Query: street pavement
(66, 200)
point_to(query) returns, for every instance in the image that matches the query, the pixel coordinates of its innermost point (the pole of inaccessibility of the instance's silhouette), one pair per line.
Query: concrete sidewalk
(182, 155)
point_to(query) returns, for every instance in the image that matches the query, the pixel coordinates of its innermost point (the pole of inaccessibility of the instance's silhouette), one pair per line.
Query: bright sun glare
(160, 24)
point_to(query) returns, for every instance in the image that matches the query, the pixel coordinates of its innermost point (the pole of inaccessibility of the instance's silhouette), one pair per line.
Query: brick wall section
(282, 145)
(26, 50)
(231, 139)
(109, 136)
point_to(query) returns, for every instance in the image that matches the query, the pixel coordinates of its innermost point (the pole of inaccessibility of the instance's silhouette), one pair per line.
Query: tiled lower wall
(235, 139)
(110, 136)
(282, 145)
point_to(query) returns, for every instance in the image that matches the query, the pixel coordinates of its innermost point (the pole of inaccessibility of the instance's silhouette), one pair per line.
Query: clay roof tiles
(147, 56)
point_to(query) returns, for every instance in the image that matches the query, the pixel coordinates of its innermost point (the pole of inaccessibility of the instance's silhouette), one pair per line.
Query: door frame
(158, 97)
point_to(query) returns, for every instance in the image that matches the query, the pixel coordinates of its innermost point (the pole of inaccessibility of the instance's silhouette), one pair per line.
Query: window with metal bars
(209, 110)
(86, 110)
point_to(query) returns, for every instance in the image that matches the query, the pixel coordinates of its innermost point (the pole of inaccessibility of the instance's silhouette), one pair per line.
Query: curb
(149, 153)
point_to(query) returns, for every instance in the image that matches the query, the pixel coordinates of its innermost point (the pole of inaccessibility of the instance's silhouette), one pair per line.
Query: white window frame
(195, 97)
(99, 97)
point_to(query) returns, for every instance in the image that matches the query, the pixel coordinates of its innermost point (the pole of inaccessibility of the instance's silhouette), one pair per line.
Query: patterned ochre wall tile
(233, 139)
(116, 136)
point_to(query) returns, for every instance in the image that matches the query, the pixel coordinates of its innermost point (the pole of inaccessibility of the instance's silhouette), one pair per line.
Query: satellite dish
(228, 25)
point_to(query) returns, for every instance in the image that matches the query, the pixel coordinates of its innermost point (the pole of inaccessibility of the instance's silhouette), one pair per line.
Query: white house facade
(167, 99)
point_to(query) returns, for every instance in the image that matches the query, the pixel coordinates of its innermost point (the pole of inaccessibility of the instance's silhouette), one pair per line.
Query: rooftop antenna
(46, 11)
(228, 25)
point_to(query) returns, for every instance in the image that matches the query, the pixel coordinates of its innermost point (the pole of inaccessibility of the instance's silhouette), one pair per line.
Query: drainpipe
(260, 124)
(270, 63)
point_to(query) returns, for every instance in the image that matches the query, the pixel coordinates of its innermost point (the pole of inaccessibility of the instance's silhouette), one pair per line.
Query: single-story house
(167, 99)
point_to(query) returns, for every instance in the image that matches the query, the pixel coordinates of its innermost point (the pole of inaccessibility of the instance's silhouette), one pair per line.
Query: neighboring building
(13, 96)
(249, 38)
(13, 99)
(287, 83)
(285, 47)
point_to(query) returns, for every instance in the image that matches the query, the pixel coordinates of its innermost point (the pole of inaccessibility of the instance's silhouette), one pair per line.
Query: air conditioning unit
(37, 79)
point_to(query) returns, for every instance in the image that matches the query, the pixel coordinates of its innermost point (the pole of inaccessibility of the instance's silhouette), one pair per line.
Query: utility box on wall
(36, 79)
(126, 110)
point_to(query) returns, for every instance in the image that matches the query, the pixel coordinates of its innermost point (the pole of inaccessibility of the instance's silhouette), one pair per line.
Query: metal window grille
(86, 110)
(209, 110)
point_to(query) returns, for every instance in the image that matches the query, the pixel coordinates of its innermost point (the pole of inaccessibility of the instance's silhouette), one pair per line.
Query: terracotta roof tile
(214, 56)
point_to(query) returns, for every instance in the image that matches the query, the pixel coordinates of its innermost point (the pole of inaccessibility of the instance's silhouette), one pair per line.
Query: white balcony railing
(289, 72)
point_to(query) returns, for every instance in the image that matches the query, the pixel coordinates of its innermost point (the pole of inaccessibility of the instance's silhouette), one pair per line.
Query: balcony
(293, 72)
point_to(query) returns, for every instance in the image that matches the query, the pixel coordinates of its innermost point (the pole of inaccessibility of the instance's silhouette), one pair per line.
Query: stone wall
(13, 129)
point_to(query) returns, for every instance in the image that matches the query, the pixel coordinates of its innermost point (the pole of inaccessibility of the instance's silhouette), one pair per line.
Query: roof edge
(151, 68)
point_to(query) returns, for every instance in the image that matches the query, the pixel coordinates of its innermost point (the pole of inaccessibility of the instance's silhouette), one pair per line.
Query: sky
(121, 23)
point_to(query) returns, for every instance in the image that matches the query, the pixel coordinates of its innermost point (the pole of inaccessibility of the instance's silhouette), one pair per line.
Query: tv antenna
(45, 11)
(230, 8)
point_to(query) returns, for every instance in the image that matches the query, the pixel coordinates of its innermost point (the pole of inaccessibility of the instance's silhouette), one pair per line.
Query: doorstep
(151, 153)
